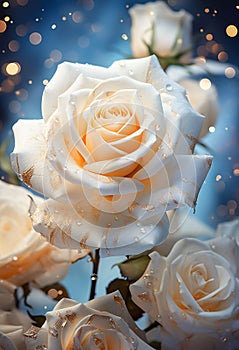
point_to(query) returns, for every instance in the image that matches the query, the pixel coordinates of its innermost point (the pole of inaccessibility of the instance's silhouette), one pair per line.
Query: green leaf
(38, 319)
(5, 164)
(123, 286)
(156, 345)
(134, 267)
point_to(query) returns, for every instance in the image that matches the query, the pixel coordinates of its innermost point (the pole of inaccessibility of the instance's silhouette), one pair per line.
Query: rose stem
(94, 276)
(152, 326)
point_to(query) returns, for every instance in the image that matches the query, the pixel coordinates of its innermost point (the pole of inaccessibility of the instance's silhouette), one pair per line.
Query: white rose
(193, 291)
(24, 254)
(203, 101)
(113, 153)
(102, 323)
(167, 32)
(13, 323)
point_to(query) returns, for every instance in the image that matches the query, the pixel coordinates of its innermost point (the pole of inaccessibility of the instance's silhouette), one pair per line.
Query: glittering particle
(35, 38)
(201, 30)
(30, 82)
(45, 82)
(237, 7)
(6, 18)
(231, 30)
(230, 72)
(124, 36)
(5, 4)
(63, 18)
(206, 10)
(212, 129)
(3, 26)
(13, 68)
(218, 177)
(205, 84)
(13, 45)
(53, 26)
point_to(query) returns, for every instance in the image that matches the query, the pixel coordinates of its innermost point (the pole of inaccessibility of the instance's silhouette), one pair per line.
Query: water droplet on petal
(169, 87)
(131, 72)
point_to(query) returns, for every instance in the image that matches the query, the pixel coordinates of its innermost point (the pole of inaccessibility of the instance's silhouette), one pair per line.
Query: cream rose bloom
(13, 323)
(168, 33)
(102, 323)
(193, 291)
(203, 101)
(25, 255)
(113, 153)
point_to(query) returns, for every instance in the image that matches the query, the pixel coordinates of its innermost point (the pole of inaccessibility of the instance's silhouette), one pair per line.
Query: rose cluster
(114, 158)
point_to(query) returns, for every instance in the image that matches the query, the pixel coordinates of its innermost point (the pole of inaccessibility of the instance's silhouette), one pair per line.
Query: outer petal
(29, 158)
(75, 227)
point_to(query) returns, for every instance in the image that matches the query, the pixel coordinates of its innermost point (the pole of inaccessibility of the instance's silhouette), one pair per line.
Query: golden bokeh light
(231, 30)
(3, 26)
(13, 68)
(5, 4)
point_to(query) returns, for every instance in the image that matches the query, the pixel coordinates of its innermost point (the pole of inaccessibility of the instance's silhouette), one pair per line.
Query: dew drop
(131, 72)
(121, 64)
(78, 223)
(136, 239)
(14, 258)
(169, 87)
(94, 277)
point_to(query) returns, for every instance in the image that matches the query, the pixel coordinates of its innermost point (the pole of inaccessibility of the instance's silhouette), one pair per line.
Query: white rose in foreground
(25, 255)
(166, 32)
(203, 101)
(102, 323)
(13, 323)
(113, 153)
(193, 291)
